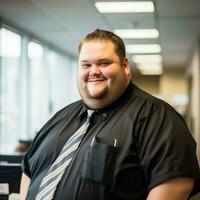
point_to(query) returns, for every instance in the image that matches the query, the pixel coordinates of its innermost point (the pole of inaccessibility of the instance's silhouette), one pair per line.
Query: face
(102, 78)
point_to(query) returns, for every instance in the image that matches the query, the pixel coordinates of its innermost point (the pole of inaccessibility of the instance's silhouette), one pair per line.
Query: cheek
(83, 74)
(109, 73)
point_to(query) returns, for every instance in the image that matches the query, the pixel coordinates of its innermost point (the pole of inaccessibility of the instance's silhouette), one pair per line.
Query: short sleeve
(25, 165)
(25, 162)
(166, 148)
(26, 168)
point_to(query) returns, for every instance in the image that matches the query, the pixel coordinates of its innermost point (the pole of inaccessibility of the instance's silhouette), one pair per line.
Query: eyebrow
(99, 60)
(84, 61)
(104, 59)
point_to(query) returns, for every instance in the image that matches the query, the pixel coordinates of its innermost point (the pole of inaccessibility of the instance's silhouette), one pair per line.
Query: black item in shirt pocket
(99, 163)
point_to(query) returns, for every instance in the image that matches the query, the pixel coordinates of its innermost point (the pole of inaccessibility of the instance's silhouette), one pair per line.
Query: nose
(94, 69)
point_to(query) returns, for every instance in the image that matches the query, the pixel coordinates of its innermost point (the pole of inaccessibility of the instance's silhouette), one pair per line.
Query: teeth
(93, 80)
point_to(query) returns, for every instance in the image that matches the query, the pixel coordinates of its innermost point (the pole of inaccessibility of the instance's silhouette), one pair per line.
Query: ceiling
(63, 23)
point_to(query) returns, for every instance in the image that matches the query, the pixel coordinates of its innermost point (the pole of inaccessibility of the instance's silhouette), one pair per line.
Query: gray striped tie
(54, 174)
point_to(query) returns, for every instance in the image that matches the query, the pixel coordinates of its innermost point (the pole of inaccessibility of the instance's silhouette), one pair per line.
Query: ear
(126, 66)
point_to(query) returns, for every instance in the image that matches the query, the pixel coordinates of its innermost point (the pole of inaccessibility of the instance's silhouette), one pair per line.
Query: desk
(10, 173)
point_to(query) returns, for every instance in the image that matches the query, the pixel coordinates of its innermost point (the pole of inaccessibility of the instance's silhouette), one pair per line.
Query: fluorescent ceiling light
(137, 33)
(143, 48)
(147, 58)
(149, 66)
(150, 69)
(125, 7)
(151, 72)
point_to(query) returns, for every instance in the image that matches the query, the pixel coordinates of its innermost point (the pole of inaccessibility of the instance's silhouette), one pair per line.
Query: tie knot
(90, 113)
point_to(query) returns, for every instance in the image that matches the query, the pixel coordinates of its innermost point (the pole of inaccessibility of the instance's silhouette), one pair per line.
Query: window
(10, 52)
(39, 87)
(63, 86)
(35, 82)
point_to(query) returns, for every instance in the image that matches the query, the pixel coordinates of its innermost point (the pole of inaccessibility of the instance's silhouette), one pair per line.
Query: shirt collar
(83, 110)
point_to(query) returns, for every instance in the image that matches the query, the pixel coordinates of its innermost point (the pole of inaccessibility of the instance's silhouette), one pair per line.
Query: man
(136, 147)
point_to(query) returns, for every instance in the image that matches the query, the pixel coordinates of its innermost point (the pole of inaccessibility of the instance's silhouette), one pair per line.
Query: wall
(194, 73)
(173, 82)
(147, 83)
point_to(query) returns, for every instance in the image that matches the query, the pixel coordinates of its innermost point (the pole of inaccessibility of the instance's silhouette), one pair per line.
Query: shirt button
(104, 116)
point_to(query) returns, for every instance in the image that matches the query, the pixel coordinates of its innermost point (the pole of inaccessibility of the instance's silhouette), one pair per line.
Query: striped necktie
(54, 174)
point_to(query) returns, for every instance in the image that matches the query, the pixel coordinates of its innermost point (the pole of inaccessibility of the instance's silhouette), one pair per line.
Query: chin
(96, 93)
(94, 103)
(95, 96)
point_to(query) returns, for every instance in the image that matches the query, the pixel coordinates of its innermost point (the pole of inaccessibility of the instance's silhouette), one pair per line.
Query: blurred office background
(38, 57)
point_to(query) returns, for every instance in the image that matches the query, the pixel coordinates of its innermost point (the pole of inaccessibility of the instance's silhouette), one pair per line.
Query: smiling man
(102, 75)
(117, 143)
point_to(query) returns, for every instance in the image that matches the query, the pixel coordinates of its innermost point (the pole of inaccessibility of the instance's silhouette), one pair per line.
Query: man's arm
(174, 189)
(25, 182)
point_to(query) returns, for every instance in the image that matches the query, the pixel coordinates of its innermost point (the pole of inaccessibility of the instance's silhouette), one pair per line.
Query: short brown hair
(99, 34)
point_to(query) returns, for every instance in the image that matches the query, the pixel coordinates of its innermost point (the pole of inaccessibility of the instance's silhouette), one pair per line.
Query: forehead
(95, 47)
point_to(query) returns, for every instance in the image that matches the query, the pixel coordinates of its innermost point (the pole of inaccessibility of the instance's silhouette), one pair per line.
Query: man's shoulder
(149, 100)
(145, 96)
(60, 116)
(65, 112)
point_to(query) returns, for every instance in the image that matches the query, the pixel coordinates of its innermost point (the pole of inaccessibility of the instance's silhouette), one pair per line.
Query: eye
(104, 64)
(85, 65)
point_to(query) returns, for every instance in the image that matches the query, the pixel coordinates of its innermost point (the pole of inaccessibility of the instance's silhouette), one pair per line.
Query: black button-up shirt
(131, 146)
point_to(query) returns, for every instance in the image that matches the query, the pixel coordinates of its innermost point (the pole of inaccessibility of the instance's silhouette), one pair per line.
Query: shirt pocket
(100, 162)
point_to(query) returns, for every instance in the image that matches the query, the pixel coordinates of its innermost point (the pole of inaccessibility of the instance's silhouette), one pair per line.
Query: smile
(96, 80)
